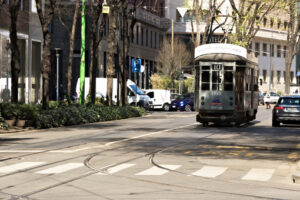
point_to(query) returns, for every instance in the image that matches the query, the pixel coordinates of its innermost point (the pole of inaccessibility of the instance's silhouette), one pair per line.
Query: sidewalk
(15, 130)
(296, 174)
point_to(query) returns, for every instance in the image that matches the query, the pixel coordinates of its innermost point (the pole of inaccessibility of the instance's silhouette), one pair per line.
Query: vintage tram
(226, 84)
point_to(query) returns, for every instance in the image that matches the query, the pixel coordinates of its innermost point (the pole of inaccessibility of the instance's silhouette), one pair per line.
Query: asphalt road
(164, 155)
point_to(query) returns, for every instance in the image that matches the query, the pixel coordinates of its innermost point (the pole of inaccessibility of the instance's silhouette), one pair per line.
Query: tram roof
(224, 52)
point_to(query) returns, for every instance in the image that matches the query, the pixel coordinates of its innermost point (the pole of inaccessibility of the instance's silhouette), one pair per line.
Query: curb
(296, 174)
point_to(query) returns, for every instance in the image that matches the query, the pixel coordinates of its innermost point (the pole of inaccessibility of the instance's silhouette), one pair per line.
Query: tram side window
(217, 80)
(228, 80)
(205, 80)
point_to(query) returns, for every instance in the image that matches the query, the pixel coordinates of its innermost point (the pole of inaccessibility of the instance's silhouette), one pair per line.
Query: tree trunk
(288, 63)
(71, 51)
(111, 53)
(14, 7)
(198, 21)
(46, 20)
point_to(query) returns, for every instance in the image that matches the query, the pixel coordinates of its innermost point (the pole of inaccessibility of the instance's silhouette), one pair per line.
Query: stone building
(30, 40)
(269, 43)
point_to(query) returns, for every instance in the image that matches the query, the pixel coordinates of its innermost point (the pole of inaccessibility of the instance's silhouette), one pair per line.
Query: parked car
(272, 97)
(184, 102)
(174, 96)
(161, 98)
(287, 110)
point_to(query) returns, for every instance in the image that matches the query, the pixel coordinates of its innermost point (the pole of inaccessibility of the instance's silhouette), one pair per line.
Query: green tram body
(226, 88)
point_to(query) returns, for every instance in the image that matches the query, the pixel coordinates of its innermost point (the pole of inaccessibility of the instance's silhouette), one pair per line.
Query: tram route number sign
(217, 66)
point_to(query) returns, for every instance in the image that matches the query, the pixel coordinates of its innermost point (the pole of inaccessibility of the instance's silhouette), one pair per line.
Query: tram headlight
(202, 103)
(202, 98)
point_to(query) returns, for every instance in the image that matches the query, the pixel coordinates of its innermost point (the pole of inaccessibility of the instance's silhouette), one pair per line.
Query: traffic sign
(136, 65)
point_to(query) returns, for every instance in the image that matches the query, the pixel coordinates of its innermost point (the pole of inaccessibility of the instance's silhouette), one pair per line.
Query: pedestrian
(267, 100)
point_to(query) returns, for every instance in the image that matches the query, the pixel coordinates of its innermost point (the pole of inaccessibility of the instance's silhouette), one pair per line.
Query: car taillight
(278, 108)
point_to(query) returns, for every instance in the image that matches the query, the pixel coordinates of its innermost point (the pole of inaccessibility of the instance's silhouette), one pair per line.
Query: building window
(137, 35)
(142, 36)
(278, 51)
(257, 48)
(264, 49)
(285, 25)
(292, 76)
(265, 22)
(284, 51)
(271, 22)
(278, 24)
(265, 75)
(155, 40)
(147, 37)
(272, 50)
(278, 76)
(151, 39)
(185, 18)
(272, 76)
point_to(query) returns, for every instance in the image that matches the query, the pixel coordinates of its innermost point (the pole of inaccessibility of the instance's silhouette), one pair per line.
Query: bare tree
(94, 13)
(71, 42)
(112, 45)
(14, 7)
(46, 17)
(247, 17)
(172, 63)
(293, 41)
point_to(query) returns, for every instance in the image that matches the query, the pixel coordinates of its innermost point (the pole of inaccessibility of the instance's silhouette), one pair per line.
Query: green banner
(82, 63)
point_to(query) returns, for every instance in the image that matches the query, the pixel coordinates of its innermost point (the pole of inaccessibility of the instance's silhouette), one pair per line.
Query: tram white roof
(220, 48)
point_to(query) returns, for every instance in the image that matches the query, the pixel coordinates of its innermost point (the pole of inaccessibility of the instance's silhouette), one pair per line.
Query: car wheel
(188, 108)
(275, 123)
(205, 124)
(166, 107)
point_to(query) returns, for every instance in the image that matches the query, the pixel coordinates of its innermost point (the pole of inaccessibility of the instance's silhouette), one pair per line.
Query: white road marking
(156, 171)
(97, 146)
(19, 166)
(21, 151)
(210, 171)
(116, 169)
(257, 174)
(148, 134)
(61, 168)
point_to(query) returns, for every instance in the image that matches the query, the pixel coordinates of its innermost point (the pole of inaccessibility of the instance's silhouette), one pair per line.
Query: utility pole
(82, 63)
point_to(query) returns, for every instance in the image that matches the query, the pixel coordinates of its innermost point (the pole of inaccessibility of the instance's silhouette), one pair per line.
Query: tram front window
(217, 80)
(205, 78)
(228, 80)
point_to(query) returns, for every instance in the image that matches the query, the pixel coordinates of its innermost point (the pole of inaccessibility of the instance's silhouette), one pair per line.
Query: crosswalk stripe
(61, 168)
(117, 168)
(19, 166)
(156, 171)
(210, 171)
(257, 174)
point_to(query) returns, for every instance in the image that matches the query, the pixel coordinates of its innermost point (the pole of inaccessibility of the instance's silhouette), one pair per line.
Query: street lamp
(57, 72)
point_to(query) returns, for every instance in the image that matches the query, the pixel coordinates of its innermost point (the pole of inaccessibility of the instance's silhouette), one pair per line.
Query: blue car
(184, 102)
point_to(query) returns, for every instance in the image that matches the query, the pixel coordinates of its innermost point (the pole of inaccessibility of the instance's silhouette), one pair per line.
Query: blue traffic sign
(136, 65)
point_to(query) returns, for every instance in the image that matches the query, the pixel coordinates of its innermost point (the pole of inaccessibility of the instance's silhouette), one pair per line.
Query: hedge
(66, 115)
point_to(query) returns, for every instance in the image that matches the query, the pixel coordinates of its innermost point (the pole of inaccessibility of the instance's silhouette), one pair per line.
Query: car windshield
(290, 101)
(136, 89)
(184, 96)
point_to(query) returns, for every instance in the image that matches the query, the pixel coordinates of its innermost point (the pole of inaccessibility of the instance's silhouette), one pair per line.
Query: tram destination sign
(217, 66)
(220, 49)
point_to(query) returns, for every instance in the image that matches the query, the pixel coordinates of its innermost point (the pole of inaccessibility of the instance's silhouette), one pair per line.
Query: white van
(161, 98)
(135, 94)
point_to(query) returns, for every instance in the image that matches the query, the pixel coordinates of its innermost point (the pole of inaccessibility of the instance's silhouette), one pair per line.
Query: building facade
(149, 31)
(269, 43)
(30, 43)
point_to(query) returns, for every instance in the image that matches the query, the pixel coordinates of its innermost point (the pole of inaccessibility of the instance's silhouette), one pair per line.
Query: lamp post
(57, 72)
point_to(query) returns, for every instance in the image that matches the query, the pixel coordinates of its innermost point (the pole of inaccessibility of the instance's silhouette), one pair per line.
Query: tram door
(240, 88)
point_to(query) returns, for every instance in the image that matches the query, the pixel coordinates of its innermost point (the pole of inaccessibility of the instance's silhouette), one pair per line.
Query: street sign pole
(82, 63)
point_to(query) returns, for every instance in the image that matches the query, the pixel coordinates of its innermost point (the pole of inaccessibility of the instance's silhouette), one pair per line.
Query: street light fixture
(57, 72)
